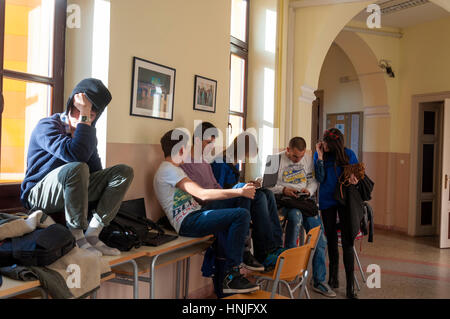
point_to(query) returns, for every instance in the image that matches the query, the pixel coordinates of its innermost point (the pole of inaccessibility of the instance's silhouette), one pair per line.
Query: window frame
(240, 49)
(10, 192)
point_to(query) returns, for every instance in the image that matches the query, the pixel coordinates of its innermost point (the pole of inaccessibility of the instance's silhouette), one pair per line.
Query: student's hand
(319, 149)
(353, 180)
(291, 192)
(304, 190)
(255, 183)
(248, 191)
(81, 102)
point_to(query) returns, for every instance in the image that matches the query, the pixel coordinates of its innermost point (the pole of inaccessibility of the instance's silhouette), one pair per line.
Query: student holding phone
(329, 160)
(296, 179)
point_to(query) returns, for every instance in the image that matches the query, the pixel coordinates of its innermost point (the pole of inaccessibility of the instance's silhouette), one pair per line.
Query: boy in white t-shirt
(176, 192)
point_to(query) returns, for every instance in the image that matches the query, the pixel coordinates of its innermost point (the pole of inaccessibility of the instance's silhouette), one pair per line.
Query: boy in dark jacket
(64, 171)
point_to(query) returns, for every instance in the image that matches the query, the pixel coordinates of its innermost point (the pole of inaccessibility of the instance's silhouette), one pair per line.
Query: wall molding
(377, 111)
(308, 95)
(398, 35)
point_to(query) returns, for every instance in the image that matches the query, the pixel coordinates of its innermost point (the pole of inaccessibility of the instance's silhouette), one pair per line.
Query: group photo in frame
(205, 92)
(153, 89)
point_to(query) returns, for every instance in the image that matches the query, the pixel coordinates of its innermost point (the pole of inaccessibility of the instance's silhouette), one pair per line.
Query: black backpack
(41, 247)
(122, 237)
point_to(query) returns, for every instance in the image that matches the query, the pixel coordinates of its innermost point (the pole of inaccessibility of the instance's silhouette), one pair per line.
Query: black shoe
(351, 292)
(333, 276)
(235, 283)
(250, 262)
(352, 295)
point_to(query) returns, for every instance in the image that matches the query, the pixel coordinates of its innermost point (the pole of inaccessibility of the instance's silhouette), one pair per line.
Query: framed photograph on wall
(205, 92)
(152, 90)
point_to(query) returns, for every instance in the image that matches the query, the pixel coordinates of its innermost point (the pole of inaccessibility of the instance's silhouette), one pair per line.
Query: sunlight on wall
(271, 30)
(100, 64)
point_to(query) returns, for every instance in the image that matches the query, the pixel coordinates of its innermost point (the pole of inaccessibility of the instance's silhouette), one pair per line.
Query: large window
(32, 34)
(238, 67)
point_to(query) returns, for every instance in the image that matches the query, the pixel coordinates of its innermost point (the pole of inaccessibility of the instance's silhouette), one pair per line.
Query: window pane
(237, 127)
(237, 84)
(426, 216)
(239, 19)
(428, 168)
(29, 36)
(25, 104)
(429, 122)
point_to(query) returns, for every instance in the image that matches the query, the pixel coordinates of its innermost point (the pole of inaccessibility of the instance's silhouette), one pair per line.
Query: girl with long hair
(329, 160)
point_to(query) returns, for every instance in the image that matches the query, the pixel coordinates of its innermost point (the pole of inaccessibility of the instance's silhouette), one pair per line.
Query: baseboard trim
(395, 229)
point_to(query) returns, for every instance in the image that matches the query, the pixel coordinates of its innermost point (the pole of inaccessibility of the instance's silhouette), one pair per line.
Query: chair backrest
(295, 261)
(313, 235)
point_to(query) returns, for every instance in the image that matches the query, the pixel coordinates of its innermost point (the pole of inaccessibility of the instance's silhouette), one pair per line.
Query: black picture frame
(205, 94)
(150, 80)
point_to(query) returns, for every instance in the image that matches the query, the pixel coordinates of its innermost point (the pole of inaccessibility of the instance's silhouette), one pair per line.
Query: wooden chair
(291, 264)
(312, 238)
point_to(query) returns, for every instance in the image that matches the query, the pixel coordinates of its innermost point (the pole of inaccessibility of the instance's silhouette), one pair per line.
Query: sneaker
(251, 263)
(324, 289)
(235, 283)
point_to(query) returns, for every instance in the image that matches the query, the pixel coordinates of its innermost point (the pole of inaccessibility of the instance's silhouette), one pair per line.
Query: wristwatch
(85, 119)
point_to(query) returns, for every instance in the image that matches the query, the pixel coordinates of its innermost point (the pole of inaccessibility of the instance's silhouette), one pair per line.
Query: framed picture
(205, 92)
(152, 90)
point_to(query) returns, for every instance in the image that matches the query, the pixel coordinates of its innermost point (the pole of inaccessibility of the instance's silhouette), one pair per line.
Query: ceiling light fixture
(398, 5)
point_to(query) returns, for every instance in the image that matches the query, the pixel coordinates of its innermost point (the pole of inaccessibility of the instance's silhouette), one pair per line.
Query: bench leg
(186, 283)
(177, 294)
(135, 279)
(152, 277)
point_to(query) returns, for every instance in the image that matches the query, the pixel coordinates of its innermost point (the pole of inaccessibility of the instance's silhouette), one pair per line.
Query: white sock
(94, 229)
(101, 246)
(82, 242)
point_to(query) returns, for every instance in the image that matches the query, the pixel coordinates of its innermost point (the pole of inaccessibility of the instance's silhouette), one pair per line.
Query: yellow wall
(339, 97)
(424, 68)
(192, 37)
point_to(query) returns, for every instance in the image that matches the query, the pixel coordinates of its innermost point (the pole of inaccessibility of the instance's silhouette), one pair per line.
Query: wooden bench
(176, 251)
(12, 288)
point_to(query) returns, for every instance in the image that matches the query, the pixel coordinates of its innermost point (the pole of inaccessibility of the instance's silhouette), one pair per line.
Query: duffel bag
(41, 247)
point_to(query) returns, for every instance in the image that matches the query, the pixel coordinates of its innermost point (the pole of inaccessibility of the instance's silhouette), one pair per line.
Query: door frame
(414, 153)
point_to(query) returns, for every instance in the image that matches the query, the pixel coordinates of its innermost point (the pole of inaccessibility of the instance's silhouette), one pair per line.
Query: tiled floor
(410, 268)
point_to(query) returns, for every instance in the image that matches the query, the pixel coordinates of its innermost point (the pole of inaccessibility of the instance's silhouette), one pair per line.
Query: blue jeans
(294, 221)
(267, 234)
(234, 221)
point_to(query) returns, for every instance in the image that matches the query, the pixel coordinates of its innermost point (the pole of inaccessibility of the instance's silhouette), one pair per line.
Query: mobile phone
(299, 194)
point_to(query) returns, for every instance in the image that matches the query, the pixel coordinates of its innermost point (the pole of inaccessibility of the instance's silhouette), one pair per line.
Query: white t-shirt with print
(296, 175)
(176, 203)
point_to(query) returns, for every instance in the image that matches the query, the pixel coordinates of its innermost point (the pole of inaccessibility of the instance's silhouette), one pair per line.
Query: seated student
(226, 171)
(296, 174)
(64, 172)
(176, 192)
(200, 171)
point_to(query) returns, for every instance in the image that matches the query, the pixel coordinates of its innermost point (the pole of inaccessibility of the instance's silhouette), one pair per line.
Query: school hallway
(411, 268)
